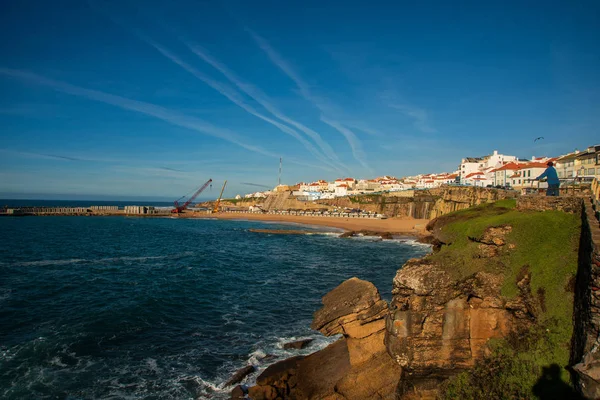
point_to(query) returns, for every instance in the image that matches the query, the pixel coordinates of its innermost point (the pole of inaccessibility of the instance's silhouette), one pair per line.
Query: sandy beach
(406, 226)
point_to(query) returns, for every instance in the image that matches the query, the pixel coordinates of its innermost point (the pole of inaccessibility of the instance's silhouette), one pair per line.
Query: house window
(590, 171)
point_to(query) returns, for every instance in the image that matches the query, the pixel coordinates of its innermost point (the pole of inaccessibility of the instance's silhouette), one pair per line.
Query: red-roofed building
(482, 164)
(350, 182)
(476, 179)
(526, 174)
(503, 174)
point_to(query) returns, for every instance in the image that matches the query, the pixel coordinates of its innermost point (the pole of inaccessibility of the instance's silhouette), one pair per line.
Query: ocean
(165, 308)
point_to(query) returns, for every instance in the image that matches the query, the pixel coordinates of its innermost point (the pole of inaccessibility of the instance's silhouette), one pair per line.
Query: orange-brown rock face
(356, 367)
(437, 326)
(356, 310)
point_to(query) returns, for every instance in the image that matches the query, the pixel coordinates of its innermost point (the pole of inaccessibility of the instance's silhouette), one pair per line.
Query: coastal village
(493, 170)
(496, 170)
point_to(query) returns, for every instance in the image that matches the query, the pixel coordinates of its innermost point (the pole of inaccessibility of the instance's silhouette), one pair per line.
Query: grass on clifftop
(546, 245)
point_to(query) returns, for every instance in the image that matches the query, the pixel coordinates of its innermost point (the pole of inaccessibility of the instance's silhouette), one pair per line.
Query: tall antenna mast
(279, 179)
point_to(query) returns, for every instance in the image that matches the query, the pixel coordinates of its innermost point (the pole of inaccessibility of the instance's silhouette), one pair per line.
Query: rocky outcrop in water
(355, 367)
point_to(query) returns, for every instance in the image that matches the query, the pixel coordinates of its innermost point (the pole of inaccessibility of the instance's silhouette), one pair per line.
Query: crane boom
(216, 209)
(178, 209)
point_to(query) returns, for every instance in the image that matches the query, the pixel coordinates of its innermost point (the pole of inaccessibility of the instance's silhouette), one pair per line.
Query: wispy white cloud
(32, 154)
(420, 117)
(350, 136)
(255, 184)
(153, 110)
(262, 99)
(320, 103)
(227, 91)
(171, 169)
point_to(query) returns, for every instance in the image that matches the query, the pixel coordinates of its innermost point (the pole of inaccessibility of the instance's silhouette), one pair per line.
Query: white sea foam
(331, 234)
(58, 362)
(274, 352)
(44, 263)
(416, 243)
(256, 356)
(230, 319)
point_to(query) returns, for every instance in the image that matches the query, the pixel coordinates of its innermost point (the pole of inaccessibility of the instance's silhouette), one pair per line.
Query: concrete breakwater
(89, 210)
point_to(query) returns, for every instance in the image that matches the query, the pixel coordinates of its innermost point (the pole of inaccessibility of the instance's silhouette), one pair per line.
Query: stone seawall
(545, 203)
(585, 346)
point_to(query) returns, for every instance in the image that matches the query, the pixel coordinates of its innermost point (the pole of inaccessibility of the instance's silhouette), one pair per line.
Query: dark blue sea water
(163, 308)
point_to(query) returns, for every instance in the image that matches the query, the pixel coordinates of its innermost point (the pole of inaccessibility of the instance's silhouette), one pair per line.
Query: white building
(349, 182)
(445, 179)
(368, 185)
(341, 190)
(476, 179)
(303, 187)
(323, 185)
(484, 164)
(503, 174)
(566, 165)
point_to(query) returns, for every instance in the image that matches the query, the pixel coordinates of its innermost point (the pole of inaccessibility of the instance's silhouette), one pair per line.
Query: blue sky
(126, 99)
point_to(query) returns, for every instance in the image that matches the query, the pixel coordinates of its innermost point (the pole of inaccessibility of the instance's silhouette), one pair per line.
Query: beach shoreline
(400, 226)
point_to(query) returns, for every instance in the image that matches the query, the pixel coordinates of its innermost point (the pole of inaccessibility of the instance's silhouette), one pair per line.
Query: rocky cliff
(420, 204)
(497, 273)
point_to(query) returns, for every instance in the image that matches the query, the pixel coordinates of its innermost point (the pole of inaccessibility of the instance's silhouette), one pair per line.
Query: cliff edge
(487, 315)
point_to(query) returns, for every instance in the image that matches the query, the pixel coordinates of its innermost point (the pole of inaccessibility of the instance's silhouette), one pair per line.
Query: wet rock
(279, 371)
(386, 235)
(364, 232)
(240, 374)
(319, 373)
(277, 381)
(262, 393)
(192, 386)
(356, 367)
(298, 344)
(239, 392)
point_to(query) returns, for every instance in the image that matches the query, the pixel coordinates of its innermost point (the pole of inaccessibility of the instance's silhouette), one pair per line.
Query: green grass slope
(546, 245)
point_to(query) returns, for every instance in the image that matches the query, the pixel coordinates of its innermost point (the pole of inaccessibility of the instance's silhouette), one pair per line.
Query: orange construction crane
(216, 209)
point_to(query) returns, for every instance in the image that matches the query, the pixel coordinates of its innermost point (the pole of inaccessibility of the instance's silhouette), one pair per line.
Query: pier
(83, 211)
